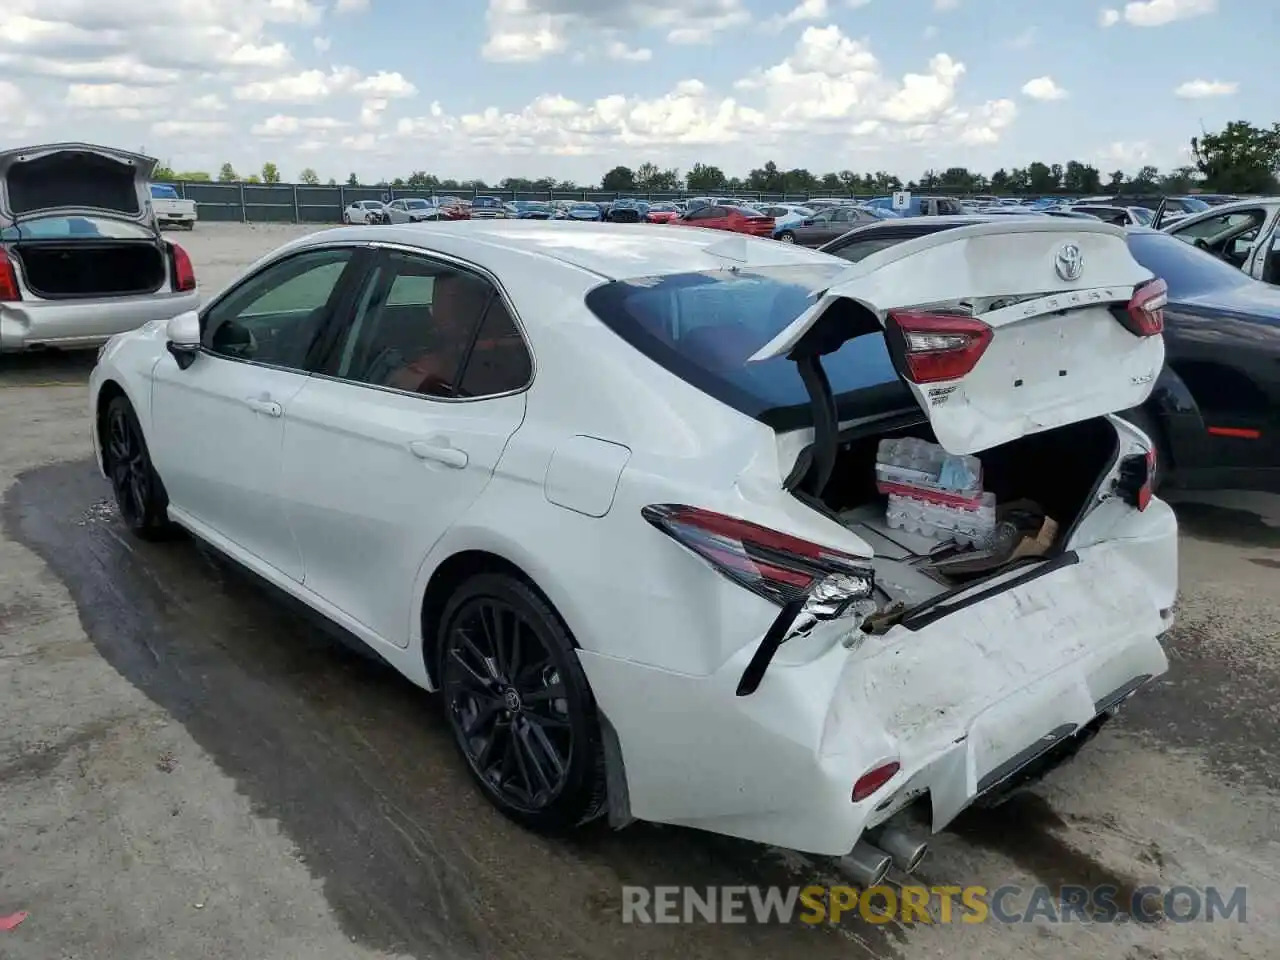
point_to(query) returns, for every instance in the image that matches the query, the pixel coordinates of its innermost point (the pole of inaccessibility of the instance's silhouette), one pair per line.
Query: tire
(1145, 420)
(506, 722)
(346, 218)
(140, 495)
(786, 236)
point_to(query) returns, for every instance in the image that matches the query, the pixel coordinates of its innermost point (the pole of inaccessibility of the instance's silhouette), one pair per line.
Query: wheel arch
(107, 392)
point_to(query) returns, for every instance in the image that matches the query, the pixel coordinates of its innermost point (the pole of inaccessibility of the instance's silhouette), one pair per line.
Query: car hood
(75, 178)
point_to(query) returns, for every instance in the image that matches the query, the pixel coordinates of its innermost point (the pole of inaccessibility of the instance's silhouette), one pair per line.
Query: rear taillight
(8, 280)
(1137, 479)
(183, 273)
(938, 346)
(874, 779)
(1144, 314)
(777, 566)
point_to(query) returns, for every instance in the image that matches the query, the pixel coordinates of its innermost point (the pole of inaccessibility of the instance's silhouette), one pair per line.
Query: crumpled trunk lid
(75, 178)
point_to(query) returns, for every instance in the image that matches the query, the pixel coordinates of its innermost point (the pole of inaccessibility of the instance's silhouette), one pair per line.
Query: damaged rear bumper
(970, 705)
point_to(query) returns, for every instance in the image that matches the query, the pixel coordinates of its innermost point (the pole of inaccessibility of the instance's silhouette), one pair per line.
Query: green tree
(163, 172)
(1180, 180)
(704, 178)
(1040, 178)
(1147, 180)
(332, 182)
(307, 176)
(270, 173)
(353, 180)
(1081, 178)
(1240, 158)
(227, 174)
(253, 178)
(1000, 181)
(1115, 181)
(618, 180)
(196, 176)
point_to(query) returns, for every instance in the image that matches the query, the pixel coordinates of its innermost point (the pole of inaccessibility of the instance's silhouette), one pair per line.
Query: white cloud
(803, 11)
(1043, 88)
(944, 5)
(1130, 153)
(1108, 17)
(528, 30)
(321, 44)
(312, 86)
(183, 129)
(618, 50)
(1157, 13)
(113, 96)
(351, 6)
(1203, 89)
(17, 116)
(282, 125)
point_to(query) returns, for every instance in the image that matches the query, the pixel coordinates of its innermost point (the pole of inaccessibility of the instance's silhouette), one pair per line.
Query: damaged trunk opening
(61, 270)
(1031, 493)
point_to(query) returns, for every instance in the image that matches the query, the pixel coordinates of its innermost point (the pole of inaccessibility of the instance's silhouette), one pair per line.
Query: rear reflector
(777, 566)
(939, 346)
(1144, 315)
(8, 280)
(1239, 433)
(184, 274)
(874, 779)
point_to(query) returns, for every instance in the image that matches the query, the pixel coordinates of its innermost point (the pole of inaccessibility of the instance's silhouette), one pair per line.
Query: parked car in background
(769, 667)
(488, 208)
(662, 212)
(824, 226)
(919, 206)
(625, 210)
(734, 219)
(412, 210)
(1243, 233)
(81, 255)
(585, 211)
(785, 215)
(531, 210)
(171, 209)
(1112, 213)
(1214, 411)
(452, 208)
(365, 211)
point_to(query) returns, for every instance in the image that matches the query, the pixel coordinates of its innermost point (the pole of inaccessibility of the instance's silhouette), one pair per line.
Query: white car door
(399, 431)
(218, 425)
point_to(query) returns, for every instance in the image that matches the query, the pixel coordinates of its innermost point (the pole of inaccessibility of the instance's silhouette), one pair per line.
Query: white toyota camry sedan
(641, 504)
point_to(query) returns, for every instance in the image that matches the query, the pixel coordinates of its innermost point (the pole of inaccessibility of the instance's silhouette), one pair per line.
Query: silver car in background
(81, 255)
(365, 211)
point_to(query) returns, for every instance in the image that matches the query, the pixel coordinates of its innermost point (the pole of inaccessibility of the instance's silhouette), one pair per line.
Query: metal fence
(304, 203)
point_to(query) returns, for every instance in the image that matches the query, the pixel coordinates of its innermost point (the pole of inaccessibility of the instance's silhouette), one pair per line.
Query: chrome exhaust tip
(866, 864)
(907, 851)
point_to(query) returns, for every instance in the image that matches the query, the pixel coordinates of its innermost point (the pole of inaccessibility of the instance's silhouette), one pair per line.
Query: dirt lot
(187, 769)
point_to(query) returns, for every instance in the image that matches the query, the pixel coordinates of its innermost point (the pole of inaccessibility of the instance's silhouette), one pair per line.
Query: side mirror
(183, 335)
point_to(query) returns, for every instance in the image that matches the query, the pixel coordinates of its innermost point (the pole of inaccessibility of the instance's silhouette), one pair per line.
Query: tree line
(1240, 158)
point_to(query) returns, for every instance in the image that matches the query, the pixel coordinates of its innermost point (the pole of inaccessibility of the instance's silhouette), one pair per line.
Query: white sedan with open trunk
(81, 255)
(695, 529)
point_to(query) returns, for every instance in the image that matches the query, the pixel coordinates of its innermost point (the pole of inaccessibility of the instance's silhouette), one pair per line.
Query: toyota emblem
(1069, 262)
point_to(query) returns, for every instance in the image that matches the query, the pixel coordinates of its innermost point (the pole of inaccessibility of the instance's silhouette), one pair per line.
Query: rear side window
(703, 327)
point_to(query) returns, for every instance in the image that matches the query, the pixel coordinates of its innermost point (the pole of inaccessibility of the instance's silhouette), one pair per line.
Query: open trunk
(1033, 470)
(62, 270)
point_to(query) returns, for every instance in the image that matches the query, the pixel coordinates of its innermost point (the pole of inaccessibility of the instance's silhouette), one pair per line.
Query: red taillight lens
(8, 280)
(777, 566)
(184, 274)
(1144, 316)
(938, 346)
(874, 779)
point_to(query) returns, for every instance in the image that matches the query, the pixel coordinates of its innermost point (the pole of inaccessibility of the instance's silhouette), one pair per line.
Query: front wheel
(522, 712)
(140, 495)
(786, 236)
(346, 218)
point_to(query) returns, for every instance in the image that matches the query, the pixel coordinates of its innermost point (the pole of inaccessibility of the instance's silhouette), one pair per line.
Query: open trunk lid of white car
(75, 178)
(1000, 329)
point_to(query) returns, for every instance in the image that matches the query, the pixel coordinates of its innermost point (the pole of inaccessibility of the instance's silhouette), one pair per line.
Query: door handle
(449, 456)
(261, 405)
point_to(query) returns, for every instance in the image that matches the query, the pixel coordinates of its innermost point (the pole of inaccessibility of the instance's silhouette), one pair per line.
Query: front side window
(415, 324)
(1212, 229)
(274, 316)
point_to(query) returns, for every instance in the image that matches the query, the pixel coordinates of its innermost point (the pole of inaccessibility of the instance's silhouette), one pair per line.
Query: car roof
(610, 250)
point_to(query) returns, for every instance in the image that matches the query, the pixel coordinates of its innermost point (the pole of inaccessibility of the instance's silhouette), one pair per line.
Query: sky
(570, 88)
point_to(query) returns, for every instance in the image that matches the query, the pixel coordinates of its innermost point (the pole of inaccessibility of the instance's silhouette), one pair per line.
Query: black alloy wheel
(519, 704)
(140, 495)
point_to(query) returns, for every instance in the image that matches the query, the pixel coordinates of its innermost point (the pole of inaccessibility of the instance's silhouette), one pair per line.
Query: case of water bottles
(934, 493)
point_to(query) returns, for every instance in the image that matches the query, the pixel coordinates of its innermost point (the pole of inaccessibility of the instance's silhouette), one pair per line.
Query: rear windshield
(162, 191)
(72, 228)
(703, 326)
(1189, 272)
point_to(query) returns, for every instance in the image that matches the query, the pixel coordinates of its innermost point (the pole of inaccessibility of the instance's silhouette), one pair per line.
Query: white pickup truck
(170, 208)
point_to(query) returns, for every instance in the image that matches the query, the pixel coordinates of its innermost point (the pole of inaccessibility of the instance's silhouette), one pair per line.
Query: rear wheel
(786, 236)
(140, 495)
(521, 709)
(346, 218)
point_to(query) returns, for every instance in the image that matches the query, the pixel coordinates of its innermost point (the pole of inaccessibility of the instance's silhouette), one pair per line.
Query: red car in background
(733, 219)
(454, 208)
(661, 213)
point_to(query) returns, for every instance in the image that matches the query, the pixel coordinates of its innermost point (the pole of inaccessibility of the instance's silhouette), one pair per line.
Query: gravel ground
(189, 769)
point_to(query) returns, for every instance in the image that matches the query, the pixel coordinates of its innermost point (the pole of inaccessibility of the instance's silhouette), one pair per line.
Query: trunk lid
(75, 178)
(1040, 309)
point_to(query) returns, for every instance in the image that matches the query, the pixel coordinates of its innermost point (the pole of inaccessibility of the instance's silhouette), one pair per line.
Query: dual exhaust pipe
(869, 861)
